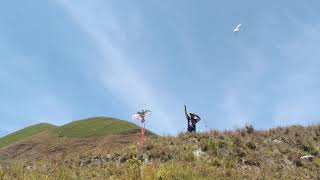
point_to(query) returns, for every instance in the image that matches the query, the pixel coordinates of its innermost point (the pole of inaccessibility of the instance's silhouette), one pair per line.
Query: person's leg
(194, 128)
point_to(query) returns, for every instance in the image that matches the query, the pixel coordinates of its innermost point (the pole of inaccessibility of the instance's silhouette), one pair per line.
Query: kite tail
(142, 134)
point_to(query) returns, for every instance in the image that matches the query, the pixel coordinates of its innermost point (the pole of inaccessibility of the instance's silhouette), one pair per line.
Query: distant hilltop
(41, 138)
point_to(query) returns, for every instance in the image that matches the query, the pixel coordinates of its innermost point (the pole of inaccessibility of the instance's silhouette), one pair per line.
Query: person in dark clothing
(192, 118)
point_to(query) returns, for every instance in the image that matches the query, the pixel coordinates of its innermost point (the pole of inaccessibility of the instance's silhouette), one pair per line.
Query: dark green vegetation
(24, 133)
(241, 154)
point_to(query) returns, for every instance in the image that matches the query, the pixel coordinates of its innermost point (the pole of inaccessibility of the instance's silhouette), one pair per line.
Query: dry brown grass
(242, 154)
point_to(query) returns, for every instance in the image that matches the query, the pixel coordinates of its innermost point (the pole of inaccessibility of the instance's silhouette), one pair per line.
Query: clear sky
(63, 60)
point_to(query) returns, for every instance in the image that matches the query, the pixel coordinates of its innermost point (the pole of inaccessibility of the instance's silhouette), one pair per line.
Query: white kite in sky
(238, 28)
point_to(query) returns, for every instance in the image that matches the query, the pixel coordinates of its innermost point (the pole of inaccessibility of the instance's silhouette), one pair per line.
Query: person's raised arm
(185, 112)
(198, 117)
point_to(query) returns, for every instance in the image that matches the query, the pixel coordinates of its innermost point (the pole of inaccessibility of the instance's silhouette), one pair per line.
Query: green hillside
(24, 133)
(98, 126)
(91, 127)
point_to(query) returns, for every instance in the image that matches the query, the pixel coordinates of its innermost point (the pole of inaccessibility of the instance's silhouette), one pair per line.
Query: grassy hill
(240, 154)
(99, 126)
(86, 128)
(25, 133)
(106, 148)
(44, 140)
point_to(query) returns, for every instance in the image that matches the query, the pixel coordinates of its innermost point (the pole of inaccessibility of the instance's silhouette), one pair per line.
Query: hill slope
(44, 140)
(241, 154)
(25, 133)
(99, 126)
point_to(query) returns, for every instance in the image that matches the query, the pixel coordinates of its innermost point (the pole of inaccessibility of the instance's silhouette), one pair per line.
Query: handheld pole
(205, 123)
(141, 139)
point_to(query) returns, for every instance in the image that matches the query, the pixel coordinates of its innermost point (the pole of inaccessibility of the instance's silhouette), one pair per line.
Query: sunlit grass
(242, 154)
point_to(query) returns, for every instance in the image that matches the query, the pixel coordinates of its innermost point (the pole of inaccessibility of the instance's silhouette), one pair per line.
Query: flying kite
(238, 28)
(141, 116)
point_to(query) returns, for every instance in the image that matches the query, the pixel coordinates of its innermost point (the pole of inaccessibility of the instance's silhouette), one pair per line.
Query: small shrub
(208, 145)
(222, 144)
(251, 145)
(134, 169)
(252, 162)
(249, 128)
(286, 131)
(187, 156)
(240, 153)
(229, 163)
(215, 162)
(317, 162)
(296, 160)
(237, 141)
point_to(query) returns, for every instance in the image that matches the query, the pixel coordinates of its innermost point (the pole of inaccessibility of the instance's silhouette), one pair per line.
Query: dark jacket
(193, 119)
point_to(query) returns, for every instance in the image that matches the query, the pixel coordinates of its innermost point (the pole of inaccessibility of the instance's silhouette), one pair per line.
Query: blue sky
(63, 60)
